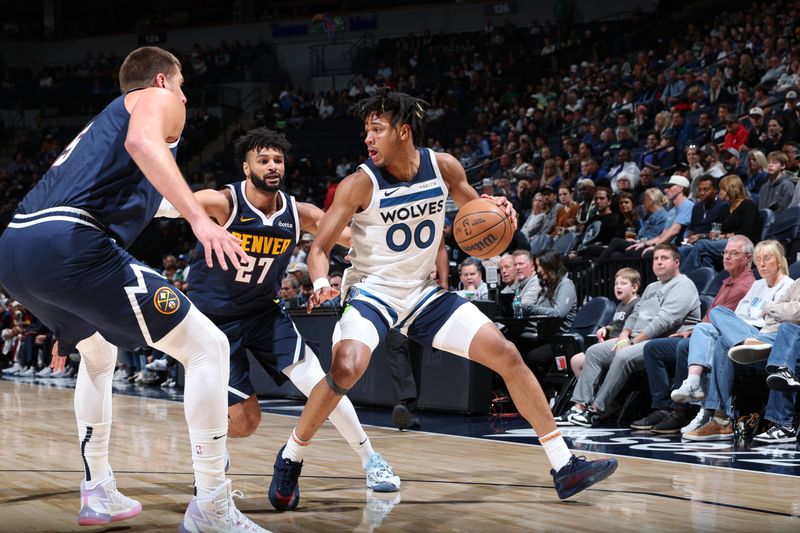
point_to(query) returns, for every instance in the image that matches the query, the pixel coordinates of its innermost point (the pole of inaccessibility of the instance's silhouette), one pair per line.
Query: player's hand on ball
(321, 295)
(503, 203)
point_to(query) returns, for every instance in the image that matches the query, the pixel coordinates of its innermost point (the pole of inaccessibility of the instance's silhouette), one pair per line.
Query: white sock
(295, 448)
(208, 458)
(93, 439)
(364, 450)
(693, 380)
(556, 449)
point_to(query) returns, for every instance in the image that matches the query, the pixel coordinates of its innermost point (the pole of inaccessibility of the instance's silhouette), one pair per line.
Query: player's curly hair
(257, 139)
(400, 108)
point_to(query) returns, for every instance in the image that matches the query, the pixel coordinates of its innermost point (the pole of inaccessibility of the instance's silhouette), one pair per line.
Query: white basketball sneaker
(380, 476)
(104, 504)
(217, 513)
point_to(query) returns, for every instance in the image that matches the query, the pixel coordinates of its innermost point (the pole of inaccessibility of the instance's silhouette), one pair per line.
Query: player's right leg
(380, 476)
(350, 360)
(204, 351)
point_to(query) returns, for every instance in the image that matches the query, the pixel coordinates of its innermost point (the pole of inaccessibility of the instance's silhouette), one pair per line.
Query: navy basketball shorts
(78, 281)
(273, 340)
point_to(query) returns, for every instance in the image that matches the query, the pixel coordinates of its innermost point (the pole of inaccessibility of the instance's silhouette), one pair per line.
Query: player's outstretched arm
(353, 193)
(460, 189)
(310, 217)
(157, 118)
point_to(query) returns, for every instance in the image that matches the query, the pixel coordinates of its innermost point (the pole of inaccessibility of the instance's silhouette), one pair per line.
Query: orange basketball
(482, 229)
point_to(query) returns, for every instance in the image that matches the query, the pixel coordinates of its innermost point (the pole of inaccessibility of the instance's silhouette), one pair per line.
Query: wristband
(321, 283)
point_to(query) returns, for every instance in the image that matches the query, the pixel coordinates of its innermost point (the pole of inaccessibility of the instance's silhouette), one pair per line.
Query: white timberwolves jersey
(396, 238)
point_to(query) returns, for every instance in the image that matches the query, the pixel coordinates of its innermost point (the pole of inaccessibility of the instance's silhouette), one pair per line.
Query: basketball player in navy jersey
(396, 204)
(244, 303)
(64, 257)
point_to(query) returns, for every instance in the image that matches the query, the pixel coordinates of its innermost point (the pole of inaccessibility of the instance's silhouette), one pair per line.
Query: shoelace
(289, 476)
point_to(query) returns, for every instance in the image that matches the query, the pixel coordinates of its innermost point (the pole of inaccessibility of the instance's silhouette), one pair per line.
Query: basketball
(482, 229)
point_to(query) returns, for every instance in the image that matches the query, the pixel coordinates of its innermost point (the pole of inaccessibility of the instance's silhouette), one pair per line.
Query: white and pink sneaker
(104, 504)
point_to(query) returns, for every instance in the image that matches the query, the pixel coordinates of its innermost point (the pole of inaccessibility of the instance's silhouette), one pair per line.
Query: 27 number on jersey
(245, 275)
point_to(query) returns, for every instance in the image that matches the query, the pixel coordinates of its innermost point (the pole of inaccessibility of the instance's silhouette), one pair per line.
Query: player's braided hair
(257, 139)
(400, 108)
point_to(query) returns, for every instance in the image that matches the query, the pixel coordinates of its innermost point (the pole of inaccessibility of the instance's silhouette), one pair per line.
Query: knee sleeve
(93, 388)
(205, 353)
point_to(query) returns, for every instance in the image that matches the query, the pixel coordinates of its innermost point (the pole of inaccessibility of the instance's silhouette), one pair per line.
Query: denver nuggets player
(396, 203)
(64, 257)
(244, 304)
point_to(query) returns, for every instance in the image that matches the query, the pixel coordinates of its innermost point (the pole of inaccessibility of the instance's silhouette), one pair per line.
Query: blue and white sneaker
(380, 476)
(580, 474)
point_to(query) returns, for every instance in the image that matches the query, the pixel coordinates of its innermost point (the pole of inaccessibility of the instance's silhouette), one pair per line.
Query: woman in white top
(537, 217)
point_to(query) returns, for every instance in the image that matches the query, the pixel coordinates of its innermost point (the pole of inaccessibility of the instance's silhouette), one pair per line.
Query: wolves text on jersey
(412, 211)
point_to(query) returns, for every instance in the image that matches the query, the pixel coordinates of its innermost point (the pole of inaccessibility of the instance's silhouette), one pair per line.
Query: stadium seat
(785, 225)
(702, 278)
(794, 270)
(705, 303)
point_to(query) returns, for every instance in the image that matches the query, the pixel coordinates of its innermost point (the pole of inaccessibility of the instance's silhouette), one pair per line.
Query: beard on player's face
(261, 183)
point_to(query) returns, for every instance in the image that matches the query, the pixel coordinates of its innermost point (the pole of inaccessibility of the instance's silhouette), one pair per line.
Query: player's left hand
(321, 295)
(503, 203)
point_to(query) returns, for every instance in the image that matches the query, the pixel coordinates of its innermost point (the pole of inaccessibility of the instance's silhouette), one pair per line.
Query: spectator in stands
(740, 341)
(708, 209)
(567, 215)
(711, 160)
(624, 166)
(472, 286)
(792, 150)
(678, 218)
(527, 282)
(602, 227)
(665, 306)
(777, 191)
(758, 133)
(550, 176)
(655, 218)
(586, 209)
(731, 163)
(694, 345)
(775, 138)
(741, 217)
(507, 274)
(556, 299)
(756, 172)
(290, 290)
(627, 282)
(536, 220)
(551, 207)
(628, 216)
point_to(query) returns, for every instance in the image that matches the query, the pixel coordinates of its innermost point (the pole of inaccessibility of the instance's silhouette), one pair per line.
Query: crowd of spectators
(582, 145)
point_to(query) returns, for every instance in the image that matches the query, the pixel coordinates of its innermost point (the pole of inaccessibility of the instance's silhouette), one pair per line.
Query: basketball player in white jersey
(396, 204)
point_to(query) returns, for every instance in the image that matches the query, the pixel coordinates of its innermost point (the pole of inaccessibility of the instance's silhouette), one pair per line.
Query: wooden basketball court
(449, 483)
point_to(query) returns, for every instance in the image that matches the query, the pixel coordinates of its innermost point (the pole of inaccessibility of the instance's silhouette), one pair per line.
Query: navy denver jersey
(95, 173)
(268, 240)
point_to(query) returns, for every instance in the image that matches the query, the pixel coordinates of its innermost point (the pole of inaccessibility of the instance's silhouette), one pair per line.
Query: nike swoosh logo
(244, 219)
(218, 437)
(389, 193)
